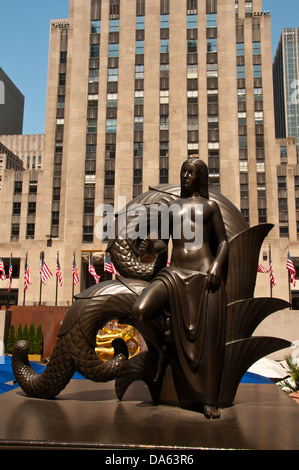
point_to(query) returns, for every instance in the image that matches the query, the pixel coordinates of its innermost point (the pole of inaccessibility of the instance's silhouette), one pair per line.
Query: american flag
(45, 272)
(272, 277)
(109, 266)
(58, 272)
(27, 280)
(92, 271)
(2, 270)
(75, 274)
(10, 275)
(290, 266)
(262, 269)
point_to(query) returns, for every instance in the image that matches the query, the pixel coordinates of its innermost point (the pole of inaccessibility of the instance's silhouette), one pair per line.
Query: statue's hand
(214, 277)
(151, 247)
(144, 246)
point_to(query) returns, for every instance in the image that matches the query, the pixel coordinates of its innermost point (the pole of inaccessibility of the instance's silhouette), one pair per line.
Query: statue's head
(194, 178)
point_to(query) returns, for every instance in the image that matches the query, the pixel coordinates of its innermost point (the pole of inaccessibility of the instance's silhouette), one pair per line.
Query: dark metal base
(87, 415)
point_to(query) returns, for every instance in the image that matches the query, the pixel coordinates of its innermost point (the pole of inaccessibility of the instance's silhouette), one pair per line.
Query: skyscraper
(134, 88)
(286, 85)
(11, 106)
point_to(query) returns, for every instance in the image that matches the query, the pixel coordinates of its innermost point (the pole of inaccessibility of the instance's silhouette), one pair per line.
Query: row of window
(16, 211)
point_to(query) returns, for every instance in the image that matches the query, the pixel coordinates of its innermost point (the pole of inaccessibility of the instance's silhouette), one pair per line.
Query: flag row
(290, 267)
(46, 273)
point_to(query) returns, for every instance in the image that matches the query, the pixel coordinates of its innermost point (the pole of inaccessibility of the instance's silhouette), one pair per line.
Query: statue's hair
(203, 173)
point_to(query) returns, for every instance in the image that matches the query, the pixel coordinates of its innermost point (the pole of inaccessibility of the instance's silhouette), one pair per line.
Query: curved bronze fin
(239, 356)
(243, 316)
(243, 262)
(141, 367)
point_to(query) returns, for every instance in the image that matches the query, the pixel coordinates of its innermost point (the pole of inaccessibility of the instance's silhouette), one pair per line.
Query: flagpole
(56, 294)
(9, 274)
(73, 279)
(270, 261)
(40, 286)
(24, 295)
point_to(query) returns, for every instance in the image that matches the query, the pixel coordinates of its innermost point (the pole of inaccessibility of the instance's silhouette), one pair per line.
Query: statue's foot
(162, 358)
(211, 412)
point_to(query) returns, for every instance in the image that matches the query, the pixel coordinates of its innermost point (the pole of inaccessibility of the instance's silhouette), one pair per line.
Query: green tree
(31, 338)
(11, 340)
(25, 334)
(39, 339)
(19, 335)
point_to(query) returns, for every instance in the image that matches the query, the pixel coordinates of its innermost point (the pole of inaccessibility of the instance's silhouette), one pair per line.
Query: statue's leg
(213, 355)
(150, 302)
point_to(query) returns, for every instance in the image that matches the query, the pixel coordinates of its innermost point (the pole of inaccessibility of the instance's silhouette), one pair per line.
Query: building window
(140, 23)
(256, 48)
(109, 177)
(111, 126)
(248, 7)
(191, 21)
(110, 151)
(112, 100)
(30, 231)
(257, 71)
(113, 75)
(137, 177)
(164, 22)
(92, 126)
(114, 8)
(31, 208)
(88, 234)
(164, 176)
(63, 57)
(192, 46)
(62, 79)
(139, 47)
(94, 51)
(113, 50)
(138, 97)
(114, 26)
(212, 45)
(16, 209)
(93, 75)
(61, 102)
(284, 155)
(18, 187)
(138, 123)
(95, 27)
(240, 71)
(164, 48)
(91, 152)
(212, 20)
(138, 149)
(258, 94)
(15, 231)
(240, 49)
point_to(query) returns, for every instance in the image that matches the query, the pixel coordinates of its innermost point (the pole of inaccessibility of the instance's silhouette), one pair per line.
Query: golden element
(105, 337)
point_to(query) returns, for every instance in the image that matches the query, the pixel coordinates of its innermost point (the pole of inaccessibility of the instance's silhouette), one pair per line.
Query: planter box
(32, 357)
(35, 357)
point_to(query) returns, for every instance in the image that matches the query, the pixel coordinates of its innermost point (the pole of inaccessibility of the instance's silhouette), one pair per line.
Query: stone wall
(49, 317)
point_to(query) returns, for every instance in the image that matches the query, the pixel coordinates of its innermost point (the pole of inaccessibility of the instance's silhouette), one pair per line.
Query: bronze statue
(197, 315)
(191, 288)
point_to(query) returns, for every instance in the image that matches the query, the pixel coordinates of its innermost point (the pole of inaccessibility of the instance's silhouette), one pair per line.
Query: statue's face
(189, 177)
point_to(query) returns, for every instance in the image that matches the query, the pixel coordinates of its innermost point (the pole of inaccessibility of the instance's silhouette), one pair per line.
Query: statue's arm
(215, 271)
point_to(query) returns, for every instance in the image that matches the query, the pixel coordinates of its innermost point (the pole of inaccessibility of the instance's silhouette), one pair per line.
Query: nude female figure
(189, 256)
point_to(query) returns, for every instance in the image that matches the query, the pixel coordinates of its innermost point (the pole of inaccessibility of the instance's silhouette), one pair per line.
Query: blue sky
(24, 45)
